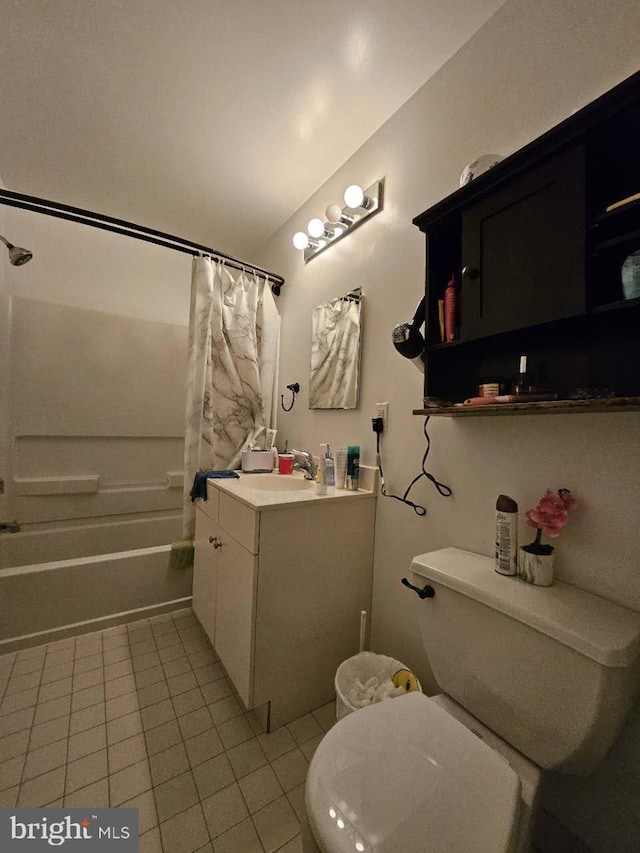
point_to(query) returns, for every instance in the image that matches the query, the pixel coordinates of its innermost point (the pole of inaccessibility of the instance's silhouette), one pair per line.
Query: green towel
(182, 553)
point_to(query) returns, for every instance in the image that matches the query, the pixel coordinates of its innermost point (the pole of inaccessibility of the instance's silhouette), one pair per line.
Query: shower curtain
(234, 333)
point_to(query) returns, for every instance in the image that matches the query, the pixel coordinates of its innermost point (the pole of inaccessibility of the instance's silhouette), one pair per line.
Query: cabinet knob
(217, 544)
(470, 272)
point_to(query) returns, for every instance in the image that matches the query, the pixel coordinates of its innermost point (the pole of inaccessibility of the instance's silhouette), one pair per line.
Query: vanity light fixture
(339, 221)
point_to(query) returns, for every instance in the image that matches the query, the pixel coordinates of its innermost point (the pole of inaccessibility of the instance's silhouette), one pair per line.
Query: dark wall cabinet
(537, 260)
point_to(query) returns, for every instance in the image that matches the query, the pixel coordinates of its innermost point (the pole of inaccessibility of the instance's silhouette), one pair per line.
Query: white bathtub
(42, 602)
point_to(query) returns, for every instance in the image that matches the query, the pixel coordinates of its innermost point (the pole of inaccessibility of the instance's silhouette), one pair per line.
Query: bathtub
(42, 602)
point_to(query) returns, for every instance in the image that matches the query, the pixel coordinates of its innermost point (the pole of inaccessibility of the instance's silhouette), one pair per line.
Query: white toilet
(534, 678)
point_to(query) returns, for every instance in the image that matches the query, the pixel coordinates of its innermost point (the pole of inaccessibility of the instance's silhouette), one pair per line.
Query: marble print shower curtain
(234, 334)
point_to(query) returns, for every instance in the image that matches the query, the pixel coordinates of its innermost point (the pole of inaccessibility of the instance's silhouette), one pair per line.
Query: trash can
(362, 667)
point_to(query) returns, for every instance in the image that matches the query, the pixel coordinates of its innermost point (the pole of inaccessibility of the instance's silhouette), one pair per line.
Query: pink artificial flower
(552, 513)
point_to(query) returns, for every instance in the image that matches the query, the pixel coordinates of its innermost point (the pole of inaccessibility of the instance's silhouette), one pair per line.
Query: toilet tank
(552, 670)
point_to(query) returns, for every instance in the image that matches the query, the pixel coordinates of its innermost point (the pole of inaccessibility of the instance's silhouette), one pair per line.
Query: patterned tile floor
(142, 715)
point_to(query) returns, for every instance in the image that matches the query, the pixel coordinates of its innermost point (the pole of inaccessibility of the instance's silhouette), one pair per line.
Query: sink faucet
(304, 462)
(9, 527)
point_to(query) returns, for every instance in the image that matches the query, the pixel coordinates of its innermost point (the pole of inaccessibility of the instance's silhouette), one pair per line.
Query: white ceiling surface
(211, 119)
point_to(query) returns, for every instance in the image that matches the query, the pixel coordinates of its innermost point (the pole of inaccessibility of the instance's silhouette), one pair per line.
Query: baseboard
(40, 638)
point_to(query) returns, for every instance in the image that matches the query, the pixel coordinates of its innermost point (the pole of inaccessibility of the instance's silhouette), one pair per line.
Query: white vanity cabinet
(279, 590)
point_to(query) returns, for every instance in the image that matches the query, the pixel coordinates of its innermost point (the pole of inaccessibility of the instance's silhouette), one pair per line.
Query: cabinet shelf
(620, 240)
(549, 407)
(619, 305)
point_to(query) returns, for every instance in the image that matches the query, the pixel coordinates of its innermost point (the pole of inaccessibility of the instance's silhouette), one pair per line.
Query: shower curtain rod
(130, 229)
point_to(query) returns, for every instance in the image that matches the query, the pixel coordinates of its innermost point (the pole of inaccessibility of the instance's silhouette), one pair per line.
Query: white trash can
(363, 666)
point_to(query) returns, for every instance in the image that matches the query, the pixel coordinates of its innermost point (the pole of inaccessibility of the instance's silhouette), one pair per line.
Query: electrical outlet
(382, 411)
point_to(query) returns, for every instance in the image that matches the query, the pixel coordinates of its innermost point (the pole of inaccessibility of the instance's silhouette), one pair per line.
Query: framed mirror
(335, 352)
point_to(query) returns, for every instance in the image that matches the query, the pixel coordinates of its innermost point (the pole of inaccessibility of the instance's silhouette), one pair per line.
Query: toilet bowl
(406, 775)
(534, 678)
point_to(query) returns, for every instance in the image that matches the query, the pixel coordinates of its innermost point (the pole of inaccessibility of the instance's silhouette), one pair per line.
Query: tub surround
(47, 601)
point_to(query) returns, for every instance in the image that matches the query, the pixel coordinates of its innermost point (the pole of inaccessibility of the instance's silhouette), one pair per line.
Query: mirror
(335, 352)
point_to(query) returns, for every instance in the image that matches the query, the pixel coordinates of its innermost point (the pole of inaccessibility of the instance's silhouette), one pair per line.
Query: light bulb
(354, 196)
(333, 213)
(300, 240)
(315, 227)
(340, 823)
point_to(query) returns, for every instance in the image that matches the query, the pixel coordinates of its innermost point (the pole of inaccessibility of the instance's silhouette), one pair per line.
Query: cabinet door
(523, 249)
(235, 614)
(205, 572)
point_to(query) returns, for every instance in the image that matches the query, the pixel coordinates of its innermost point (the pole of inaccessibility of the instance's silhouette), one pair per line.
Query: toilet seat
(404, 775)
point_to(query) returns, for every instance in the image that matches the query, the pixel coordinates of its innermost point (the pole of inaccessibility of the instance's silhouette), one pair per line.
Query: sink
(275, 482)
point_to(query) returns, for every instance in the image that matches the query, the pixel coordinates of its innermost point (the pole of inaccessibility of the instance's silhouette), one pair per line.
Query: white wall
(98, 378)
(529, 67)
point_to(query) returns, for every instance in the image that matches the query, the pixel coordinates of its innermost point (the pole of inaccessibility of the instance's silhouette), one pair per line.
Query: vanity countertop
(265, 499)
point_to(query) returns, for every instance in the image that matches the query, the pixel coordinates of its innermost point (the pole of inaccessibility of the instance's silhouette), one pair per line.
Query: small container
(285, 463)
(340, 466)
(506, 536)
(523, 383)
(257, 461)
(492, 386)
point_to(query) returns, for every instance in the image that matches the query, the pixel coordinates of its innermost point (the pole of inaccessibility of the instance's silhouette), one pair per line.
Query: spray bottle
(506, 536)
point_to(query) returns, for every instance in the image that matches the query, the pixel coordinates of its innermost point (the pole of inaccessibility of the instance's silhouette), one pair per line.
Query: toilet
(533, 679)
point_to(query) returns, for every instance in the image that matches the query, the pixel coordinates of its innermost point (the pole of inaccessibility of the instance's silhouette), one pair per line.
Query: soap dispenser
(330, 471)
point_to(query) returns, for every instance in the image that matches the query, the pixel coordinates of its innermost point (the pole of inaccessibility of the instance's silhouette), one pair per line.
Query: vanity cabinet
(279, 591)
(536, 246)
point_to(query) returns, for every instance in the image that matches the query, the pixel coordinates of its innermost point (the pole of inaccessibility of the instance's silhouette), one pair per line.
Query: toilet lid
(403, 775)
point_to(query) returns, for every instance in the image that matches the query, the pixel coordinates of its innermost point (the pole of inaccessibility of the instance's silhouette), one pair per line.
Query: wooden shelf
(549, 407)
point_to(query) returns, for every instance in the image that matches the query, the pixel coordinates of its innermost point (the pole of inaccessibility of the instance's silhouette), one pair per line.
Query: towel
(199, 488)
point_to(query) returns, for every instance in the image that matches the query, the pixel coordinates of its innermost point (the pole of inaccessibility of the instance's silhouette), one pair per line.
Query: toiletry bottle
(450, 309)
(330, 475)
(523, 383)
(340, 467)
(353, 467)
(321, 482)
(506, 536)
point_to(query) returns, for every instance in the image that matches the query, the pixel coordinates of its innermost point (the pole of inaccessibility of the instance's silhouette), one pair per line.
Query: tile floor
(142, 715)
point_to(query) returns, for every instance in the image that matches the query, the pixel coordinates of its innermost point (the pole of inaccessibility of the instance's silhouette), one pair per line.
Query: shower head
(17, 256)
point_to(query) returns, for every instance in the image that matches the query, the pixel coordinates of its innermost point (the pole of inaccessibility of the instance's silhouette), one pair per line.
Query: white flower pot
(535, 568)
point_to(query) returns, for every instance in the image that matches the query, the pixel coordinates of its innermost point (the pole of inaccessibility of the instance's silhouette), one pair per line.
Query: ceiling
(211, 119)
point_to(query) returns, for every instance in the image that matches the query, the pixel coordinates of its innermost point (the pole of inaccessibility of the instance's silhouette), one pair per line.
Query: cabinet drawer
(240, 522)
(211, 506)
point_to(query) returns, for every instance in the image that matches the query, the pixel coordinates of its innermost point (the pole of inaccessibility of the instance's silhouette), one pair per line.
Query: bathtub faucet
(9, 527)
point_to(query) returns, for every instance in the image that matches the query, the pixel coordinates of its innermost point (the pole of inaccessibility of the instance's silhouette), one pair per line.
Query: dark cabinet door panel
(525, 248)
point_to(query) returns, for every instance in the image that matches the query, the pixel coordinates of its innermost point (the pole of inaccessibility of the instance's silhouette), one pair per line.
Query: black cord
(441, 488)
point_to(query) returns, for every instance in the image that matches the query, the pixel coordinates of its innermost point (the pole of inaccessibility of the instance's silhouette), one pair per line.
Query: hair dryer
(408, 340)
